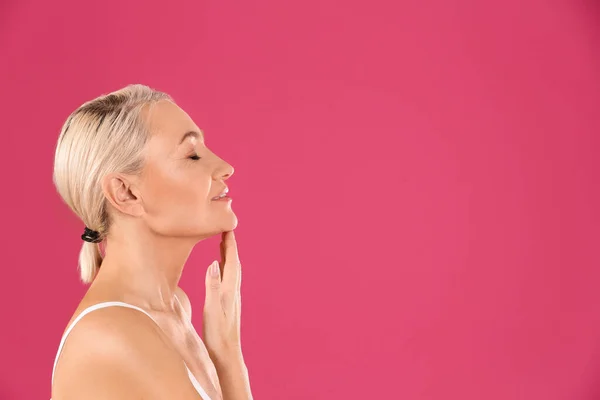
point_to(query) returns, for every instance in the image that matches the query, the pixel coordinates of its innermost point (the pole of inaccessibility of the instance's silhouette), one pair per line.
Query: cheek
(169, 193)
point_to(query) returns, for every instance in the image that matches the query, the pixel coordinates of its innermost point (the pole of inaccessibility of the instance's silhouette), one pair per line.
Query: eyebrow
(192, 134)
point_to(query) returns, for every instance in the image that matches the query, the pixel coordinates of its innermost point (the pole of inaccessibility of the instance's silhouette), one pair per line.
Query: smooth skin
(157, 217)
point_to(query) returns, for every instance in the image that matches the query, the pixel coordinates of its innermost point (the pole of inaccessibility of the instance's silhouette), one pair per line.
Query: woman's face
(181, 176)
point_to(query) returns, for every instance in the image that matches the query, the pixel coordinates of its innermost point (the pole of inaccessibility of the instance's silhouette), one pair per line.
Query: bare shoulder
(119, 353)
(184, 300)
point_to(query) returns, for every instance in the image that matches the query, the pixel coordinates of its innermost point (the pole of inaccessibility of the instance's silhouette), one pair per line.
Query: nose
(225, 171)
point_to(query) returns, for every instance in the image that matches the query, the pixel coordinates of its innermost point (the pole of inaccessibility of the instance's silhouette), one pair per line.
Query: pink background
(417, 185)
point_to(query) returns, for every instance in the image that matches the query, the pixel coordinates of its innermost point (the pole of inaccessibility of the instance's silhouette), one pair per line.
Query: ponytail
(90, 259)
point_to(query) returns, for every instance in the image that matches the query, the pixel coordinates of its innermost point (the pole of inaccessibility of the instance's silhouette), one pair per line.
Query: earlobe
(122, 195)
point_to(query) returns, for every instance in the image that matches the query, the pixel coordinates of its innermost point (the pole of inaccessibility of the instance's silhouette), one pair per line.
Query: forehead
(168, 123)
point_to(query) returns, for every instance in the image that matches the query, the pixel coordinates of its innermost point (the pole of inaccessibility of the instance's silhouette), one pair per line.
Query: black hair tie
(91, 236)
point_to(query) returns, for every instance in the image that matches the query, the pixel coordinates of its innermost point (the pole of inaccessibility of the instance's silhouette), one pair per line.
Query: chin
(225, 225)
(232, 223)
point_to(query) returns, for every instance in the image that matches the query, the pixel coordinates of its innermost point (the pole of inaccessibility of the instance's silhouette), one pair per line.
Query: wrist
(227, 357)
(231, 368)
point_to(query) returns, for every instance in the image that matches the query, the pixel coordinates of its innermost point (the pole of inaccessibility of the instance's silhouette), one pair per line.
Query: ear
(122, 193)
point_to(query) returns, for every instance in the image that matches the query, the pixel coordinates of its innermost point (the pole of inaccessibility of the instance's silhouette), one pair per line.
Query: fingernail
(214, 271)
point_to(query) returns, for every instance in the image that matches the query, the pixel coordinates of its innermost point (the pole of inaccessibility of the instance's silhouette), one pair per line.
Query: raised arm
(221, 328)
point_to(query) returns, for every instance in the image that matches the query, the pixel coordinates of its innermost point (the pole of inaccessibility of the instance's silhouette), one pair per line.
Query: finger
(232, 267)
(213, 285)
(222, 251)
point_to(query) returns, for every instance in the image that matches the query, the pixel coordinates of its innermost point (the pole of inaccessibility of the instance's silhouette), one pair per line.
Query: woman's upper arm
(114, 357)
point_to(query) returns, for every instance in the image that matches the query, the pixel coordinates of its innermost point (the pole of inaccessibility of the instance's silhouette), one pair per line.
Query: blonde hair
(102, 136)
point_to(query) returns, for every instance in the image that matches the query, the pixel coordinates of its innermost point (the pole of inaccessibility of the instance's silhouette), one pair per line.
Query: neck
(144, 267)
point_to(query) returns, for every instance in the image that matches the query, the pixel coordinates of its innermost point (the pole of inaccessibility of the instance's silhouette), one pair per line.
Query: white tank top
(195, 382)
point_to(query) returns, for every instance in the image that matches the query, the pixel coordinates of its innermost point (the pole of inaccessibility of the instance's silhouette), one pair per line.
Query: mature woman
(136, 170)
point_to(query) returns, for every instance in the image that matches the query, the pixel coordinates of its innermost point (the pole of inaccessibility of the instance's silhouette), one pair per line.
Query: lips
(222, 194)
